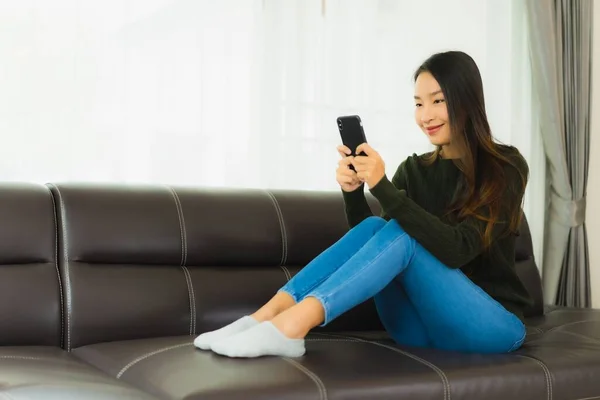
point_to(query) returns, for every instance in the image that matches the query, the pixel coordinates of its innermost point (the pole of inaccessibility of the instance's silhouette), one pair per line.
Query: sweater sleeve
(453, 245)
(357, 208)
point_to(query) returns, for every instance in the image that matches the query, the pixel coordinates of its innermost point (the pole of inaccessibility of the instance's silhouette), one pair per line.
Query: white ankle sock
(263, 339)
(206, 339)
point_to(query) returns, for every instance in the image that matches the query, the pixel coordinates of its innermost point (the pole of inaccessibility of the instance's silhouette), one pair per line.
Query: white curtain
(241, 93)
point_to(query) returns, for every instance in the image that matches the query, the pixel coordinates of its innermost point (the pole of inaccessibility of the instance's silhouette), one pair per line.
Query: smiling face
(431, 113)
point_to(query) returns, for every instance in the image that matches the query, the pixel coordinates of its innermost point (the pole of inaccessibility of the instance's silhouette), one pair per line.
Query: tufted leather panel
(121, 254)
(49, 373)
(118, 225)
(229, 228)
(30, 295)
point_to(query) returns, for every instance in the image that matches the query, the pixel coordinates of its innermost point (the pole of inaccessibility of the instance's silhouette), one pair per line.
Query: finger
(344, 150)
(365, 147)
(347, 172)
(361, 167)
(361, 160)
(362, 175)
(345, 178)
(345, 161)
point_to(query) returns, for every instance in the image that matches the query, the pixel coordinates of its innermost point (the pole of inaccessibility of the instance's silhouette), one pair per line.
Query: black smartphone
(352, 133)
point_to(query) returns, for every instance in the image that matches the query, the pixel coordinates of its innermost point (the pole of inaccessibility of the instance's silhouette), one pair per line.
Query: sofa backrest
(150, 261)
(30, 290)
(158, 261)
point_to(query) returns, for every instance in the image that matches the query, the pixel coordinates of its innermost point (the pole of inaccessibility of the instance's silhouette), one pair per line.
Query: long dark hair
(482, 160)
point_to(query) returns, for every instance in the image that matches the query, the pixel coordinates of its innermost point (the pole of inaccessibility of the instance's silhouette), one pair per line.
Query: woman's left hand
(370, 168)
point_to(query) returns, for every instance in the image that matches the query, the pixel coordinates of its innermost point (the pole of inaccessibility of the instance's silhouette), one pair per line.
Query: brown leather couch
(103, 289)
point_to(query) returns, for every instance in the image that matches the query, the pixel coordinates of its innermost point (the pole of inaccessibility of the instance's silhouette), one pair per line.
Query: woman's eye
(418, 105)
(438, 101)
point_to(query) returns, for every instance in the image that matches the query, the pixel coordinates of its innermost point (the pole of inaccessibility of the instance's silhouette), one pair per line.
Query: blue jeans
(420, 301)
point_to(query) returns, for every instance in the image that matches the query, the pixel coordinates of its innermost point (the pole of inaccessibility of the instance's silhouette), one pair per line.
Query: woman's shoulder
(418, 160)
(411, 164)
(516, 160)
(516, 171)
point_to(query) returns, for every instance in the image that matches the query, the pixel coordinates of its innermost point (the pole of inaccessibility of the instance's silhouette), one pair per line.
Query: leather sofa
(103, 289)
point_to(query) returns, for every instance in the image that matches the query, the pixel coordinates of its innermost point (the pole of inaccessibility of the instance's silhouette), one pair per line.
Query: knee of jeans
(374, 222)
(516, 345)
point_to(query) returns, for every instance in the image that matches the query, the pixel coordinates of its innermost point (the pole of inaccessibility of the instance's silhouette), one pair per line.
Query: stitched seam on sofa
(181, 226)
(281, 227)
(440, 373)
(66, 261)
(546, 373)
(60, 287)
(25, 358)
(286, 272)
(182, 262)
(315, 378)
(148, 355)
(579, 335)
(188, 277)
(192, 299)
(572, 323)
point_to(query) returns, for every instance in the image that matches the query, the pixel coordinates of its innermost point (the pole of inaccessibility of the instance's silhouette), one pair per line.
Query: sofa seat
(44, 372)
(559, 360)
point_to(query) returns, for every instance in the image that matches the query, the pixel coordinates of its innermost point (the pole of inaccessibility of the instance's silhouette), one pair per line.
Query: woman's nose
(426, 118)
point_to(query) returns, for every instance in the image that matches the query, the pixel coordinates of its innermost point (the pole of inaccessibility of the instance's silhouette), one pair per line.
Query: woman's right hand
(347, 178)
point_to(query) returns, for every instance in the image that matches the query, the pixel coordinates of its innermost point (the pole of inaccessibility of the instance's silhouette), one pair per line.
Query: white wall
(593, 189)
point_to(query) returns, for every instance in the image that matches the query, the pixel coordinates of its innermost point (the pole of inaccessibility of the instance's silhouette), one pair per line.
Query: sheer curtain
(240, 93)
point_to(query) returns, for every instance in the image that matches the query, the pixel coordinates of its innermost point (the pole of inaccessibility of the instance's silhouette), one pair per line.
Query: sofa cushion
(49, 373)
(30, 287)
(333, 368)
(559, 360)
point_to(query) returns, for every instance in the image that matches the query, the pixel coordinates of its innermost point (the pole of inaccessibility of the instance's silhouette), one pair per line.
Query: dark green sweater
(417, 197)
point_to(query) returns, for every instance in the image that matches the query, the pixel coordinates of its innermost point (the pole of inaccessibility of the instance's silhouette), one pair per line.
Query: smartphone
(352, 133)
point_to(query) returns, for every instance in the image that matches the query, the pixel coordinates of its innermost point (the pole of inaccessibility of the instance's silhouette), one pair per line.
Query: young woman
(439, 262)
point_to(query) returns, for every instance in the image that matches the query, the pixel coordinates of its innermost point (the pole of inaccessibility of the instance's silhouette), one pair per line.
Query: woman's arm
(357, 208)
(455, 245)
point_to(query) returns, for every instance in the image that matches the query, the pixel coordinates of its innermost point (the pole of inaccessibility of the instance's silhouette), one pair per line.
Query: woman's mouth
(433, 129)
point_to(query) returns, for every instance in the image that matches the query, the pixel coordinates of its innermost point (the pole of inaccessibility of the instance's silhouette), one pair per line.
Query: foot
(263, 339)
(205, 340)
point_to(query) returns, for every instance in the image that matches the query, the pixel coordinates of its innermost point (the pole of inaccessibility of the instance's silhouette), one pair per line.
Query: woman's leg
(313, 274)
(400, 317)
(458, 314)
(363, 275)
(329, 261)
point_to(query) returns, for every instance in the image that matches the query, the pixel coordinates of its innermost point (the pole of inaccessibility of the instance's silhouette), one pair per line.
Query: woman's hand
(369, 168)
(346, 177)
